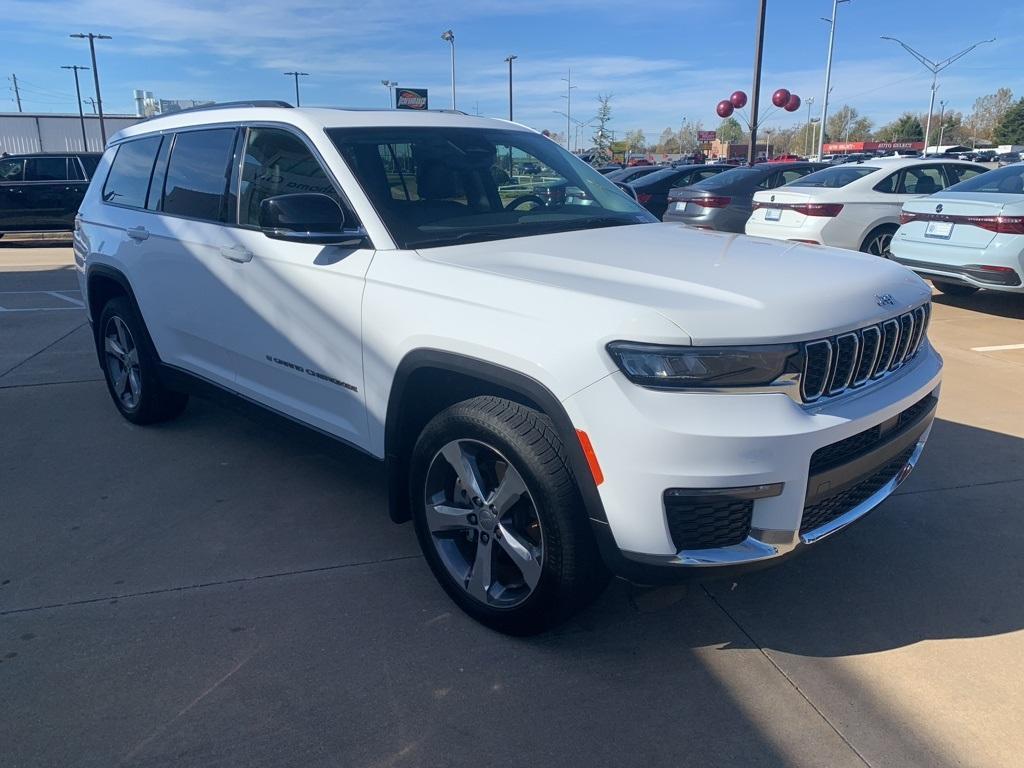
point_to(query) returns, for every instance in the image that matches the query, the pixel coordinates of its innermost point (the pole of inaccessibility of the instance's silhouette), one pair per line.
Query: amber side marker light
(588, 451)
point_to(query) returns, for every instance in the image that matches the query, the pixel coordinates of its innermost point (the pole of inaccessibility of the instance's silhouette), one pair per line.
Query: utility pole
(297, 75)
(934, 67)
(828, 73)
(17, 93)
(568, 109)
(78, 98)
(510, 59)
(756, 95)
(449, 37)
(92, 38)
(807, 129)
(390, 85)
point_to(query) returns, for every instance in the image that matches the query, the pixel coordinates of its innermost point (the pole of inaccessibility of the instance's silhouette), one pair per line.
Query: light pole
(934, 67)
(756, 95)
(568, 108)
(92, 38)
(942, 127)
(297, 75)
(807, 129)
(828, 73)
(390, 85)
(81, 115)
(449, 37)
(510, 59)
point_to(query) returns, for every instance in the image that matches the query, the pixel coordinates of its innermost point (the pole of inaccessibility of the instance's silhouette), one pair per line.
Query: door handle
(237, 254)
(137, 233)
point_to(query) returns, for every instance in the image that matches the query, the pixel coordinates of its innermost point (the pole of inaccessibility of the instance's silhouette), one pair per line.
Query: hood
(716, 287)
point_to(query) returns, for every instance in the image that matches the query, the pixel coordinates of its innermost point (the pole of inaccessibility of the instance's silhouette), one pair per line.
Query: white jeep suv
(560, 386)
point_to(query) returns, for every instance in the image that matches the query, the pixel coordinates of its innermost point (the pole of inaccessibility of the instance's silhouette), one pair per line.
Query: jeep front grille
(850, 360)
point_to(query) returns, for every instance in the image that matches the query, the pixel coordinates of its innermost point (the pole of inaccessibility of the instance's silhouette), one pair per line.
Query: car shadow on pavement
(1008, 305)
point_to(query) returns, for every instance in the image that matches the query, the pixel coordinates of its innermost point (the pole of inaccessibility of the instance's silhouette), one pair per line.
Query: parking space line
(42, 309)
(999, 348)
(68, 299)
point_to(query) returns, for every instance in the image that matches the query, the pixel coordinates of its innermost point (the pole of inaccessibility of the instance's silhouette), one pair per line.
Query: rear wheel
(130, 367)
(499, 517)
(878, 240)
(954, 289)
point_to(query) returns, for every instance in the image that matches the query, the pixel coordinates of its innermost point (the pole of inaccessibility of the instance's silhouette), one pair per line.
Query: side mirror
(307, 217)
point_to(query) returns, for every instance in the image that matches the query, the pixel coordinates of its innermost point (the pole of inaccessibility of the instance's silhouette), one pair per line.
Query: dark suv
(40, 193)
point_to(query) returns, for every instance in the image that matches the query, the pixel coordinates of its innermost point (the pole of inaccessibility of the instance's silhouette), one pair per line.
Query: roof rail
(389, 109)
(226, 105)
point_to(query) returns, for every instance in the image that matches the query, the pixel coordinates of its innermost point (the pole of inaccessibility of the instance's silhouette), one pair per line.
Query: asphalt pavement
(226, 590)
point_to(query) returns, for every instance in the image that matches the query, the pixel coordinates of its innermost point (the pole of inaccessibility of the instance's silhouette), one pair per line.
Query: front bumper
(648, 442)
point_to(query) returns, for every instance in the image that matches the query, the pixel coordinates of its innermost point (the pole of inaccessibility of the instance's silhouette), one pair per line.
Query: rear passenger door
(48, 194)
(12, 195)
(299, 348)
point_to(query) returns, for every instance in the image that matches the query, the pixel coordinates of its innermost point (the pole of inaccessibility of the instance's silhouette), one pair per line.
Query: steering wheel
(515, 203)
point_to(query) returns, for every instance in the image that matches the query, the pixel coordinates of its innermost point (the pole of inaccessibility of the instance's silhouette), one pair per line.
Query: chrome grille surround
(854, 358)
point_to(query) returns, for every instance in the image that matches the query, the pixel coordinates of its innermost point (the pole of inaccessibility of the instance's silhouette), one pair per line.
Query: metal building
(22, 132)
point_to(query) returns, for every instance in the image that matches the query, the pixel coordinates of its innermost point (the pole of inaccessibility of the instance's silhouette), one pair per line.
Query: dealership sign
(411, 98)
(872, 146)
(706, 136)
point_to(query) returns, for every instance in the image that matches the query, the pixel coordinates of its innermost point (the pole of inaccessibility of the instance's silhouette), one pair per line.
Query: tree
(667, 142)
(904, 128)
(846, 124)
(602, 136)
(988, 110)
(636, 141)
(1010, 128)
(730, 131)
(688, 136)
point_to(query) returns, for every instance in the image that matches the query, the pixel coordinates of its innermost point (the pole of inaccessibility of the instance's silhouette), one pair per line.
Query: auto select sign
(411, 98)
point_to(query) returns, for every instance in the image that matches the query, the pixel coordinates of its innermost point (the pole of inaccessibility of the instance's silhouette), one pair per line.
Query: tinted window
(1008, 180)
(197, 175)
(731, 177)
(923, 180)
(958, 173)
(888, 184)
(74, 171)
(156, 186)
(835, 177)
(11, 170)
(46, 169)
(128, 179)
(89, 162)
(278, 162)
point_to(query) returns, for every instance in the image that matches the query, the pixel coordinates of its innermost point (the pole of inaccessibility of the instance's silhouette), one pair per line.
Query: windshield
(835, 177)
(1008, 180)
(728, 178)
(440, 186)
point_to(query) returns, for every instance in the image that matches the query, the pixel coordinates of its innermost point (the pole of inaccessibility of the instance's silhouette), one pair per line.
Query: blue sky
(661, 61)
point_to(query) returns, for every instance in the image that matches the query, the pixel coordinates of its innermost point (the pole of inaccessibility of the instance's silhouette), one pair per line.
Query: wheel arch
(429, 380)
(103, 283)
(881, 224)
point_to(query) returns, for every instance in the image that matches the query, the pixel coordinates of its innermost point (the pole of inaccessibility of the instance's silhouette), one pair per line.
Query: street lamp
(934, 67)
(828, 72)
(449, 37)
(92, 38)
(390, 85)
(81, 115)
(510, 59)
(807, 130)
(568, 107)
(297, 75)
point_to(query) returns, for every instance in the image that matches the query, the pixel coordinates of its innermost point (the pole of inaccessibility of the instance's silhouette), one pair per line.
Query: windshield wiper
(461, 237)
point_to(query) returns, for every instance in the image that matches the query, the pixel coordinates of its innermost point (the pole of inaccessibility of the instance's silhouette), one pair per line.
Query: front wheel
(499, 517)
(954, 289)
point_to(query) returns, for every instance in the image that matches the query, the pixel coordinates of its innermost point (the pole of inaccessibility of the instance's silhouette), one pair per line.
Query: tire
(954, 289)
(130, 366)
(878, 240)
(527, 535)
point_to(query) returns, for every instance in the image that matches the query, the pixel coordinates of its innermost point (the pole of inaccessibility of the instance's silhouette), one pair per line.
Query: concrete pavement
(226, 591)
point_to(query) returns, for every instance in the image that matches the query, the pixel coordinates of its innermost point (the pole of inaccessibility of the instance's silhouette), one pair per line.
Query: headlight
(667, 367)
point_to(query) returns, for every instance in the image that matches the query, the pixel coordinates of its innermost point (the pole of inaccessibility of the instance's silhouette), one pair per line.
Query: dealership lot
(227, 590)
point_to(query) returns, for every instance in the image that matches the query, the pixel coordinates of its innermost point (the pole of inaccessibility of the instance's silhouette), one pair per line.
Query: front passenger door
(300, 350)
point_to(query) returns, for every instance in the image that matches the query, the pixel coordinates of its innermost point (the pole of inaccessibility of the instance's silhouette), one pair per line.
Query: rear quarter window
(128, 180)
(198, 173)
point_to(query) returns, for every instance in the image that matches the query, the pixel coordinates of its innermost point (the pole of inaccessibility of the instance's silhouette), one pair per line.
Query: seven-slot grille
(839, 363)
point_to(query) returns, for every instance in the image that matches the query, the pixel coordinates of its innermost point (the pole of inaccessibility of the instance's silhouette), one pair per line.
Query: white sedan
(854, 205)
(968, 237)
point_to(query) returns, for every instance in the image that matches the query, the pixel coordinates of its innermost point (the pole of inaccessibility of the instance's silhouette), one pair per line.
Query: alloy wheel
(484, 523)
(122, 357)
(879, 245)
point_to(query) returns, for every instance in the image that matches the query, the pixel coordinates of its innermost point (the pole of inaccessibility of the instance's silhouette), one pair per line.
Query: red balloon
(781, 97)
(724, 108)
(793, 104)
(738, 99)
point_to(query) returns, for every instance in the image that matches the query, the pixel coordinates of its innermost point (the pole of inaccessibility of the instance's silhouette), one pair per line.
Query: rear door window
(46, 169)
(957, 173)
(12, 170)
(198, 173)
(128, 179)
(922, 180)
(74, 170)
(89, 162)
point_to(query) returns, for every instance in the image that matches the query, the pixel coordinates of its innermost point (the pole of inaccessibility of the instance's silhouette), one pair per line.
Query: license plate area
(772, 214)
(679, 207)
(939, 229)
